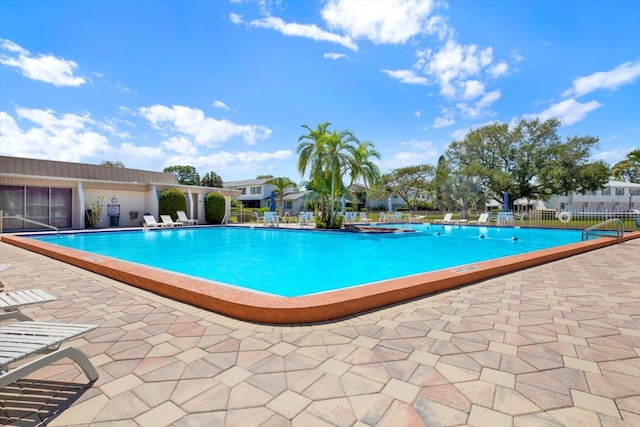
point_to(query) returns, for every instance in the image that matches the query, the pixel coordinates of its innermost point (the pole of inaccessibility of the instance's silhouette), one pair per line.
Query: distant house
(615, 196)
(59, 193)
(256, 193)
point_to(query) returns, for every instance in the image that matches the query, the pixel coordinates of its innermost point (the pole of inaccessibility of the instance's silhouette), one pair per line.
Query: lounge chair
(482, 220)
(349, 217)
(363, 217)
(182, 217)
(150, 222)
(504, 218)
(166, 219)
(271, 219)
(445, 220)
(383, 217)
(397, 217)
(24, 339)
(258, 217)
(305, 218)
(10, 302)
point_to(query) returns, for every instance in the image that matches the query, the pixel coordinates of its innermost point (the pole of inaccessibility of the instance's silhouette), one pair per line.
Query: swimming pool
(292, 263)
(268, 308)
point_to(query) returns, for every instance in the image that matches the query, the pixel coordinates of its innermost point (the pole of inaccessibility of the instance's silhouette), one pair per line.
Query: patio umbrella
(389, 205)
(344, 204)
(272, 202)
(506, 201)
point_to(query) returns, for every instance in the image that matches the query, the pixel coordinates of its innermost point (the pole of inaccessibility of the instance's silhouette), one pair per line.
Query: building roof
(245, 183)
(622, 184)
(18, 166)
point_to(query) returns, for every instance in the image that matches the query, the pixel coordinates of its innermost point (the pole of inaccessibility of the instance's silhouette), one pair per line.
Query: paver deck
(553, 345)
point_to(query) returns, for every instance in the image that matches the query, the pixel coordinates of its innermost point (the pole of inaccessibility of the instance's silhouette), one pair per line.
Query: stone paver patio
(555, 345)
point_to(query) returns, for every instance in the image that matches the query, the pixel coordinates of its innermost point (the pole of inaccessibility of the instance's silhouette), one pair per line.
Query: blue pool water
(293, 262)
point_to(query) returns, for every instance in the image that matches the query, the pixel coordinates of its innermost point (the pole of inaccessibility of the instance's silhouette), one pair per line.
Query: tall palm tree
(329, 155)
(464, 192)
(363, 166)
(629, 168)
(281, 184)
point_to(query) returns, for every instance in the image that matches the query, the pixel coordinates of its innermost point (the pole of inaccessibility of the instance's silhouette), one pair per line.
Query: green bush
(171, 201)
(214, 207)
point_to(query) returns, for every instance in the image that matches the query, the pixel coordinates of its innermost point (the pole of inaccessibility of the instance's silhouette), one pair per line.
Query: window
(256, 190)
(244, 190)
(52, 206)
(288, 205)
(619, 191)
(606, 191)
(635, 192)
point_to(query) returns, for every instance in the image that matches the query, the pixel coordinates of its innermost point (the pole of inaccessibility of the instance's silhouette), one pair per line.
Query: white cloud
(45, 68)
(454, 63)
(473, 89)
(382, 22)
(418, 152)
(498, 70)
(220, 104)
(333, 55)
(301, 30)
(623, 74)
(444, 121)
(568, 111)
(417, 113)
(517, 56)
(205, 131)
(67, 137)
(406, 76)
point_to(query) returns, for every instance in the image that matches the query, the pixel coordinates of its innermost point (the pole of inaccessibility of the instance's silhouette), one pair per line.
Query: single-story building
(58, 194)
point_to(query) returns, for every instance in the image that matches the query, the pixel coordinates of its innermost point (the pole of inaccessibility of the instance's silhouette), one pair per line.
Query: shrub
(171, 201)
(214, 207)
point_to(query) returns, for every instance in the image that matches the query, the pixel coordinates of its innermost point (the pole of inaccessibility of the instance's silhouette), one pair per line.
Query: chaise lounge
(24, 339)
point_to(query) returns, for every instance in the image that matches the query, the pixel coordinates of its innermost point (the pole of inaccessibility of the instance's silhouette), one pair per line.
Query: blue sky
(226, 86)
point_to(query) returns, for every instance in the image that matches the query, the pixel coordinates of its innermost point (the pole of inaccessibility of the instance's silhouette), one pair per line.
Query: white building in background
(615, 196)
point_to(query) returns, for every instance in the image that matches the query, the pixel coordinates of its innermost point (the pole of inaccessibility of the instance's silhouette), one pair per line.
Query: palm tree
(330, 156)
(464, 192)
(629, 168)
(281, 184)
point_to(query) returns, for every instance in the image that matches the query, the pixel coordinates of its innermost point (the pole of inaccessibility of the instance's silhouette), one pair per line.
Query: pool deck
(552, 345)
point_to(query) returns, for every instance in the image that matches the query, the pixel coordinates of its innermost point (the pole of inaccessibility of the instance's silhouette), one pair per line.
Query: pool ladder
(596, 230)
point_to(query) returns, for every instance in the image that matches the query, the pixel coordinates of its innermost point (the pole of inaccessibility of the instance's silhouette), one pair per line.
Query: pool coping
(270, 309)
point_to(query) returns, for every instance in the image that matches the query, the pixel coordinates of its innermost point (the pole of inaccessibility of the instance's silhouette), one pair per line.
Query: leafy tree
(329, 156)
(186, 175)
(115, 164)
(407, 181)
(442, 175)
(264, 176)
(463, 192)
(528, 160)
(628, 169)
(211, 180)
(281, 184)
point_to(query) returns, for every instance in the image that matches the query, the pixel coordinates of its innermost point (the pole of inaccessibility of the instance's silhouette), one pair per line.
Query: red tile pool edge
(268, 309)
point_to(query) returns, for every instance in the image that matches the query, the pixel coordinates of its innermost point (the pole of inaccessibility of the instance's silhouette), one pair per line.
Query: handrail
(594, 230)
(21, 218)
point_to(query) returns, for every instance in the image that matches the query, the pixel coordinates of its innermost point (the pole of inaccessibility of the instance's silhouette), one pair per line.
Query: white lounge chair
(383, 217)
(397, 217)
(10, 302)
(150, 222)
(482, 220)
(445, 220)
(182, 217)
(305, 218)
(363, 217)
(166, 219)
(349, 217)
(271, 219)
(23, 339)
(258, 217)
(504, 218)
